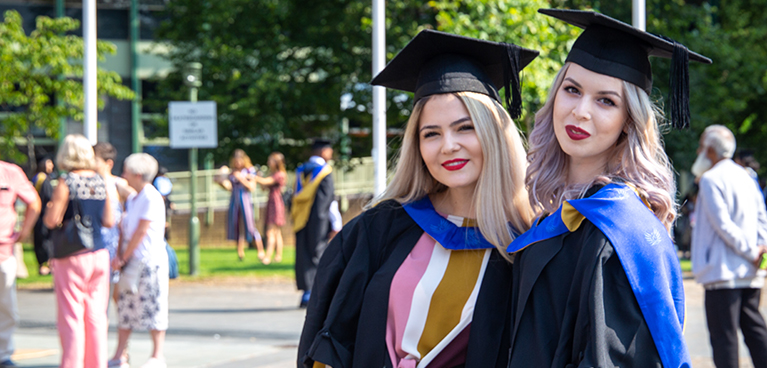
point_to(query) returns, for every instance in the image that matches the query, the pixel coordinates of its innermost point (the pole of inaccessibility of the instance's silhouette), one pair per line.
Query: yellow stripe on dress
(450, 297)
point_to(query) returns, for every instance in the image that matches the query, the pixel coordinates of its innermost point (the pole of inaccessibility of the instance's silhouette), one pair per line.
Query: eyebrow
(616, 94)
(459, 121)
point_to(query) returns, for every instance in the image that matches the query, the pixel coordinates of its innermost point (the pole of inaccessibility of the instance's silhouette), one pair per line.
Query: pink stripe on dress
(404, 283)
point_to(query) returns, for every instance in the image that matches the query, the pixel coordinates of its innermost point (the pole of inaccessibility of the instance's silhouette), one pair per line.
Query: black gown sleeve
(616, 332)
(329, 273)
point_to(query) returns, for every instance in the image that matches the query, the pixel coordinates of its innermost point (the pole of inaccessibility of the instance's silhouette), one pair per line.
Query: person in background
(310, 213)
(336, 220)
(42, 183)
(275, 207)
(13, 185)
(746, 159)
(81, 279)
(164, 186)
(241, 223)
(728, 242)
(119, 191)
(143, 286)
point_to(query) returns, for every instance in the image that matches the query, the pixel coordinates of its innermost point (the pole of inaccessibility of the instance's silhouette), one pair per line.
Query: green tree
(279, 70)
(31, 92)
(516, 22)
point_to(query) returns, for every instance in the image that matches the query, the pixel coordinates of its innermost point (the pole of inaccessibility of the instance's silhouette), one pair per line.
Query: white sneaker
(155, 363)
(118, 363)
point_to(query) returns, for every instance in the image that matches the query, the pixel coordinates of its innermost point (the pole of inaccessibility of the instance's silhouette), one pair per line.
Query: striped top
(431, 303)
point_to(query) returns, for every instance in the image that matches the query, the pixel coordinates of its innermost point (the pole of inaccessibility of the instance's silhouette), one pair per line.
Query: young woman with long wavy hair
(596, 279)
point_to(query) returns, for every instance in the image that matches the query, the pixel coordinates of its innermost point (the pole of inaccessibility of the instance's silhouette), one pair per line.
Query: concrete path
(233, 325)
(222, 326)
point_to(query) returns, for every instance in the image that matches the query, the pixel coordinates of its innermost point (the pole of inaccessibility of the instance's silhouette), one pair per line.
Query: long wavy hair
(500, 197)
(239, 153)
(638, 157)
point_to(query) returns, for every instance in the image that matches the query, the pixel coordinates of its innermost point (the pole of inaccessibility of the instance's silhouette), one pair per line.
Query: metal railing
(358, 181)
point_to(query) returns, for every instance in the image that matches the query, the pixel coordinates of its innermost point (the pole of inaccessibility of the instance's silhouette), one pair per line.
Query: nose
(581, 110)
(450, 144)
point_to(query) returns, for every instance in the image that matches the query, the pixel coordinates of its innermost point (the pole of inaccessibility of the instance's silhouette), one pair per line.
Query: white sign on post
(193, 124)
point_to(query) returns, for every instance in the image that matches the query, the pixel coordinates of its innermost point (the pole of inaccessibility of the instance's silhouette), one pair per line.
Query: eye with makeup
(466, 127)
(571, 89)
(607, 101)
(429, 133)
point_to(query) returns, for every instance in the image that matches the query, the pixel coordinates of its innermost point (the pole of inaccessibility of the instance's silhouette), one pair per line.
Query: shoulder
(151, 193)
(386, 209)
(385, 220)
(11, 168)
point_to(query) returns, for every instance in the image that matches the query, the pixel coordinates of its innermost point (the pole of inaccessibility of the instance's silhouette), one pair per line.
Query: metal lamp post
(192, 79)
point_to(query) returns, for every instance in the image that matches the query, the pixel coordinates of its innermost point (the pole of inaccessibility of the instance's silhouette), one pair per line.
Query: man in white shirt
(727, 245)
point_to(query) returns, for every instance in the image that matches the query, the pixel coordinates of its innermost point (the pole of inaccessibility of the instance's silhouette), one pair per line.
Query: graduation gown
(312, 238)
(42, 239)
(346, 318)
(598, 284)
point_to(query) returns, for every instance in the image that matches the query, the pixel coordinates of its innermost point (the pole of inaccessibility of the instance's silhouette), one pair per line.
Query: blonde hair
(239, 153)
(76, 153)
(638, 157)
(502, 174)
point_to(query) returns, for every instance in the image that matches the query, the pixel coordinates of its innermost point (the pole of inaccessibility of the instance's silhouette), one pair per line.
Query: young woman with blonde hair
(81, 277)
(596, 280)
(416, 280)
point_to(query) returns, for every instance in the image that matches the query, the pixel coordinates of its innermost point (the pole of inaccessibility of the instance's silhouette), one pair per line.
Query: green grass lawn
(686, 265)
(214, 263)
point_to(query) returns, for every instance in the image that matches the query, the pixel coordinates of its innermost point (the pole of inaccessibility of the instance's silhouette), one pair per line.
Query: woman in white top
(143, 288)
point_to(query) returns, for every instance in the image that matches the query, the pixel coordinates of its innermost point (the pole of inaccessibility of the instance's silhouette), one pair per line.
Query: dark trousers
(728, 309)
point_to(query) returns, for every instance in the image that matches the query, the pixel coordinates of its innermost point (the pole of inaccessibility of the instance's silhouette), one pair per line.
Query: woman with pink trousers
(82, 278)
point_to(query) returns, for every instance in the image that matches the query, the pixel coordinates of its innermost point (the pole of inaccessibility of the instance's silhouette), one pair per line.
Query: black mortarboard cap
(319, 143)
(610, 47)
(436, 62)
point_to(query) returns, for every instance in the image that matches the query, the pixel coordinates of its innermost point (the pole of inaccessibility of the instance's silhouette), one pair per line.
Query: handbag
(75, 234)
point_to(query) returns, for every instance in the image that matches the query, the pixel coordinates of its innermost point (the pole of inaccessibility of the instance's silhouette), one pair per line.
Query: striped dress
(241, 210)
(431, 304)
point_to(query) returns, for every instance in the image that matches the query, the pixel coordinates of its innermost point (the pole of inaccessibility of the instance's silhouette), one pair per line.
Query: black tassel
(679, 100)
(512, 84)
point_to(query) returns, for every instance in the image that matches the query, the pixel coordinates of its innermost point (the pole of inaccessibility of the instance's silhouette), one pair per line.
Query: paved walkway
(238, 326)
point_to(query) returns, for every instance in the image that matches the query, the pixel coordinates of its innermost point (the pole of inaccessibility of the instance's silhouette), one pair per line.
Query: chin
(459, 184)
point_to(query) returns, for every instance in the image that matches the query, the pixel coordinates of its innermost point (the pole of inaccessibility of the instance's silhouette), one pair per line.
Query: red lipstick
(454, 165)
(576, 133)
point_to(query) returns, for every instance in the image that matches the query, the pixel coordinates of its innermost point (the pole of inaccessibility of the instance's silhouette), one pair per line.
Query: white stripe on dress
(419, 309)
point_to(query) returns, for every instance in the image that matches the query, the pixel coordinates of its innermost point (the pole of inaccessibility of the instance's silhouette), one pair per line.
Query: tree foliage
(279, 70)
(516, 22)
(282, 70)
(31, 92)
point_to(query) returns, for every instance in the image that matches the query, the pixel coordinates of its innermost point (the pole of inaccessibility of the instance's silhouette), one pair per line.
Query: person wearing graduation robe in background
(42, 237)
(416, 279)
(310, 213)
(597, 280)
